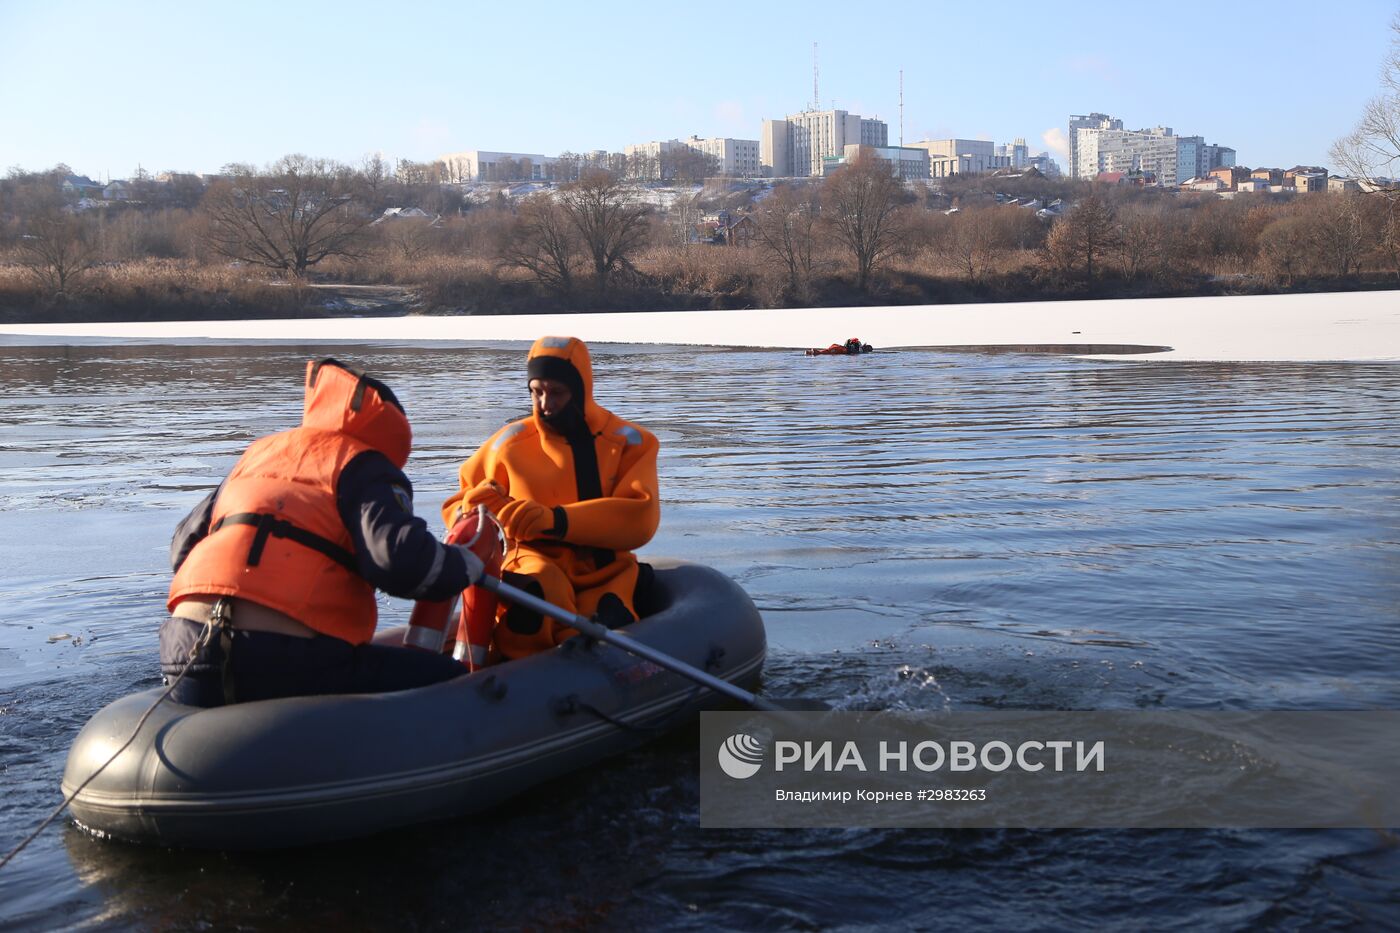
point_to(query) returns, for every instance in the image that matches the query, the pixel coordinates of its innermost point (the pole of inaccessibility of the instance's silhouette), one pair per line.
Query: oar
(620, 639)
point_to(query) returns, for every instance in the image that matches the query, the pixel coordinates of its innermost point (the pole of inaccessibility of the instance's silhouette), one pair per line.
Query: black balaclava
(568, 421)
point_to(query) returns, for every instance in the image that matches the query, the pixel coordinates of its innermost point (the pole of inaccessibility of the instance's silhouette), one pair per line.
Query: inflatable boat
(311, 769)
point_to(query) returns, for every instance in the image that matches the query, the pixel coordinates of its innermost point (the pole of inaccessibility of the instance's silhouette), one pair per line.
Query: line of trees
(597, 241)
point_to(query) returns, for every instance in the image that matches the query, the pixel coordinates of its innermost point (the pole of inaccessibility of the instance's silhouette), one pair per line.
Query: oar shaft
(621, 640)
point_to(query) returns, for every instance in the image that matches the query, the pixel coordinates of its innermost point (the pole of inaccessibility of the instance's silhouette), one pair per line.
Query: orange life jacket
(276, 536)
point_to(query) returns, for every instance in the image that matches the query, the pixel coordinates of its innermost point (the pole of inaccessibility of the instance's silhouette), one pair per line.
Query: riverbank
(1321, 327)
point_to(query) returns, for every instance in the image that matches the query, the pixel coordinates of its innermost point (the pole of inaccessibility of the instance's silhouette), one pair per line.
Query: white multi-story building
(1092, 122)
(796, 146)
(736, 157)
(733, 157)
(652, 150)
(484, 165)
(1152, 151)
(1098, 143)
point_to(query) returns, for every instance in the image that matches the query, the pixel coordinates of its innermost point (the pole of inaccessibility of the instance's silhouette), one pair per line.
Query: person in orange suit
(574, 488)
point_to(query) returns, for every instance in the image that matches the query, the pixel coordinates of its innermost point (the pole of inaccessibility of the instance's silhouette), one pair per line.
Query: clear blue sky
(193, 85)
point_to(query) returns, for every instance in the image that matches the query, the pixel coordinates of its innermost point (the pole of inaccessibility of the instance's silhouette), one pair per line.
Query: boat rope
(57, 811)
(572, 704)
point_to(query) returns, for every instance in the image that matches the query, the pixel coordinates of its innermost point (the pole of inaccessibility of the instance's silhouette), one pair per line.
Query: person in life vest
(852, 347)
(574, 488)
(276, 569)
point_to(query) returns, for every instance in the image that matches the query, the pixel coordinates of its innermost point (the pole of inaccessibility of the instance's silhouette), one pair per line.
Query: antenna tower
(901, 108)
(816, 98)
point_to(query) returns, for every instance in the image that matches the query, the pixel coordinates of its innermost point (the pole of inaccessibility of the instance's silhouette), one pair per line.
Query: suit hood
(566, 359)
(339, 398)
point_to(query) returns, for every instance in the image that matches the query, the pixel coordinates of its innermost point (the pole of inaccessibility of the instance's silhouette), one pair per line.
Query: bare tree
(565, 167)
(682, 216)
(965, 241)
(1385, 222)
(54, 243)
(297, 213)
(1142, 242)
(1083, 239)
(1339, 233)
(56, 246)
(410, 237)
(787, 232)
(1372, 149)
(456, 170)
(545, 242)
(687, 166)
(862, 204)
(505, 169)
(184, 189)
(1218, 234)
(642, 165)
(409, 172)
(610, 222)
(1284, 248)
(374, 172)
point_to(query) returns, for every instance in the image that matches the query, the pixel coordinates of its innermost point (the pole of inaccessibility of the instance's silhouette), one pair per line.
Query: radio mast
(901, 108)
(816, 98)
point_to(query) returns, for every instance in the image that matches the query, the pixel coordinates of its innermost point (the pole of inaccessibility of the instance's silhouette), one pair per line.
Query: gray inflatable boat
(310, 769)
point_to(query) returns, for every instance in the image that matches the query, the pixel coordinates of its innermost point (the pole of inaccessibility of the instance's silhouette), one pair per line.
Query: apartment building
(1099, 143)
(733, 157)
(1196, 159)
(738, 158)
(652, 150)
(1155, 150)
(1188, 158)
(795, 146)
(1216, 157)
(1089, 122)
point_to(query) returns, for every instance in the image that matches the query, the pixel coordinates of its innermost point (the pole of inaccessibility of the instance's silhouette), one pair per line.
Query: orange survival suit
(575, 496)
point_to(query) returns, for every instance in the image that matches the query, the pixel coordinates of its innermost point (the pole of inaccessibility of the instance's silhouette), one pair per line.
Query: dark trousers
(265, 665)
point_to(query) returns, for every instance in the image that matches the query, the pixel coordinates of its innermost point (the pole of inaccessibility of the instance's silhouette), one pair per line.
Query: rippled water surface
(920, 530)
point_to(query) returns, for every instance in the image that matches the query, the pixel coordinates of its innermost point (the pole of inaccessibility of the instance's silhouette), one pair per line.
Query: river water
(921, 530)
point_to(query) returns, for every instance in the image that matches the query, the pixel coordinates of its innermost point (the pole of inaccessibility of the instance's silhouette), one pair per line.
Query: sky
(193, 85)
